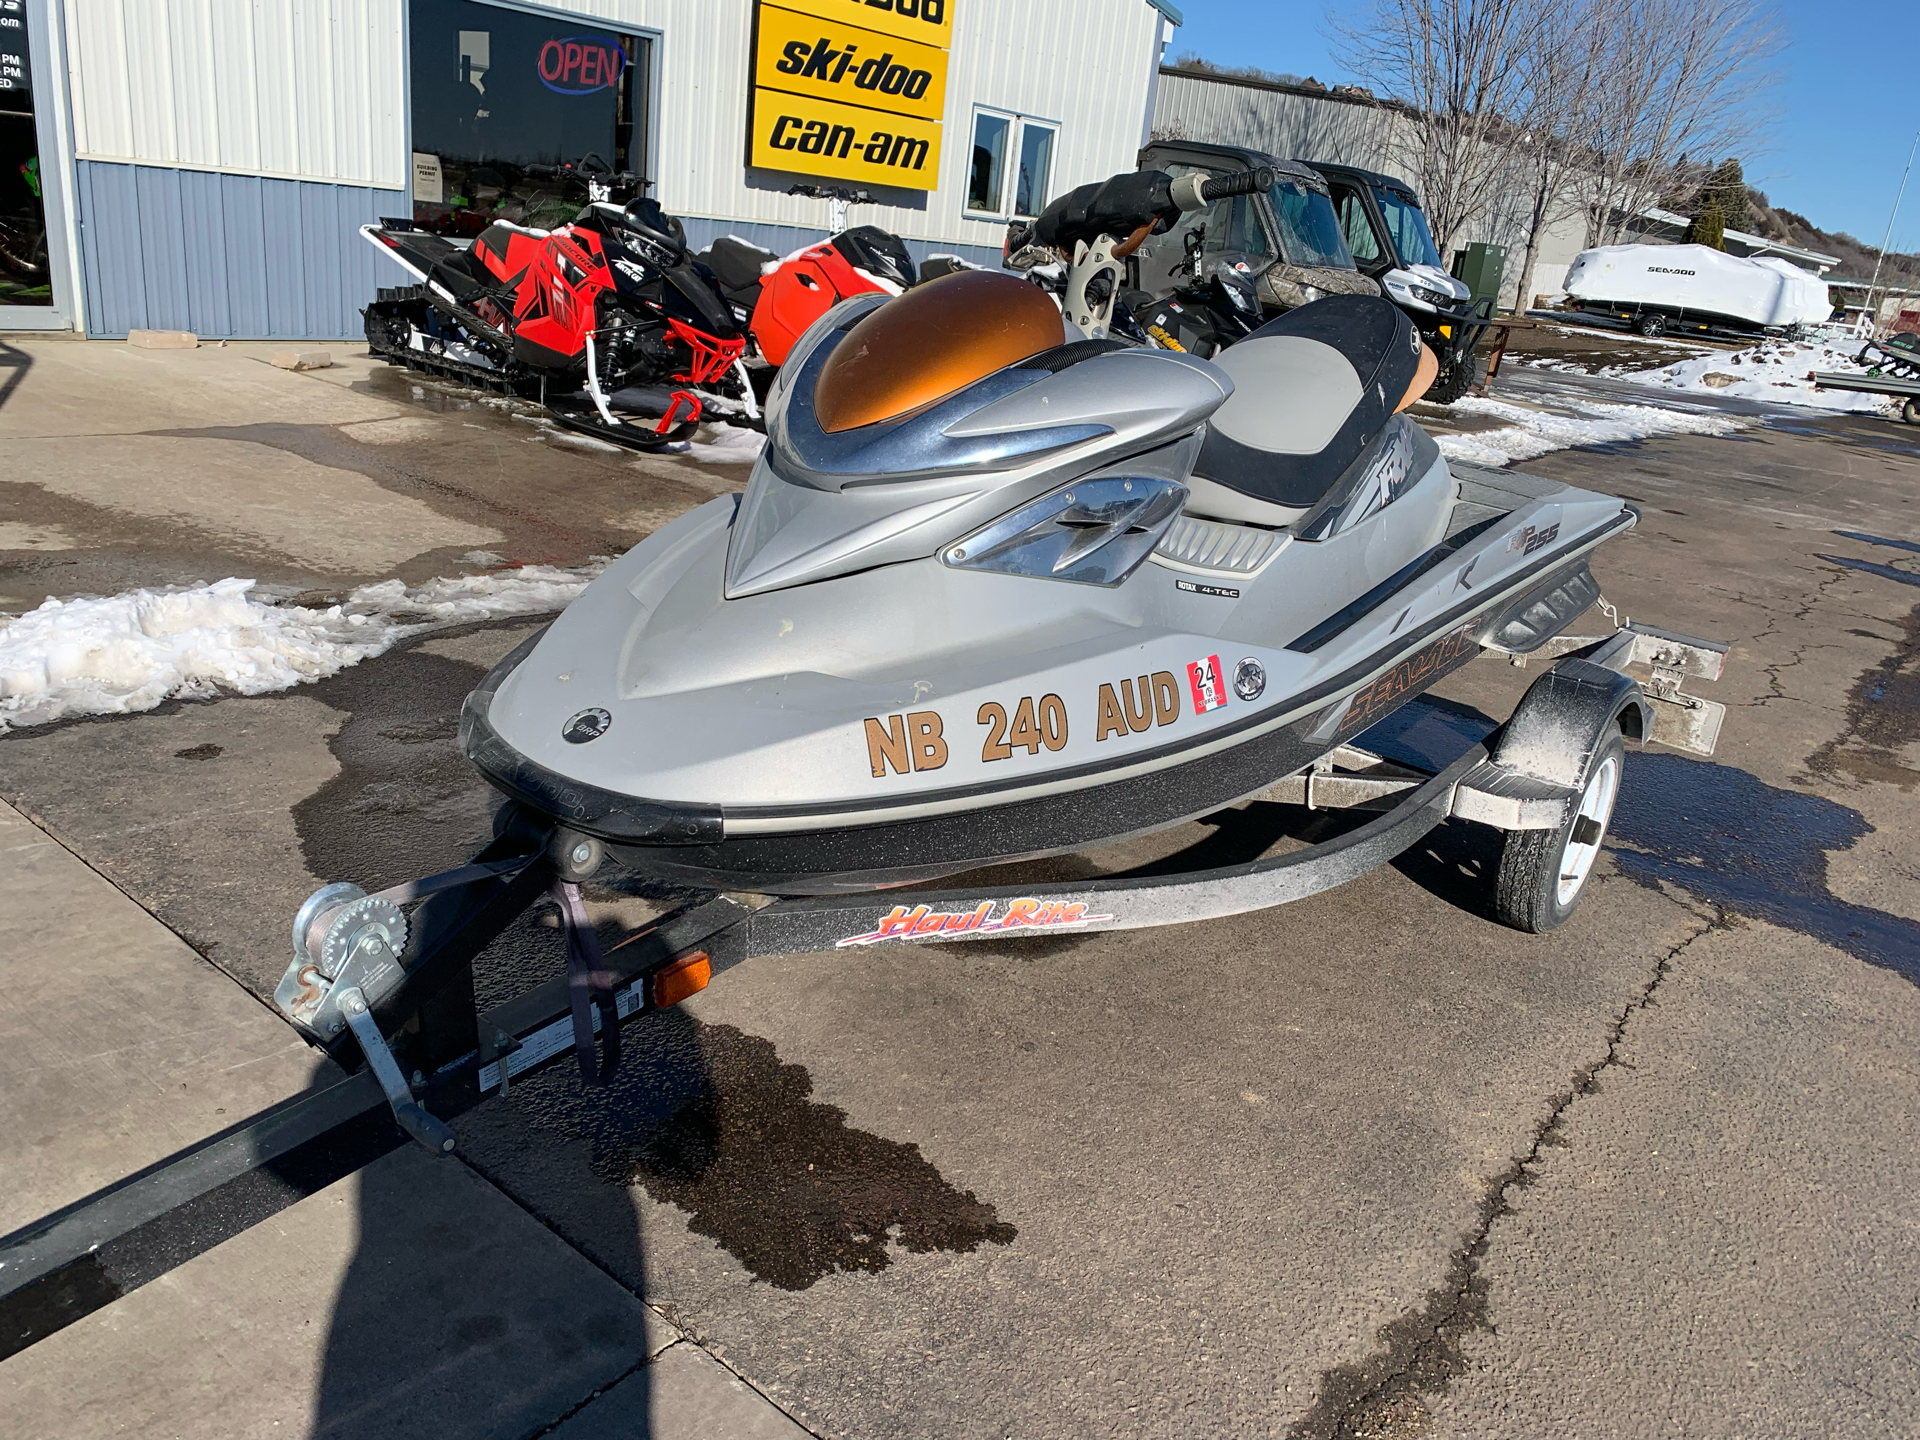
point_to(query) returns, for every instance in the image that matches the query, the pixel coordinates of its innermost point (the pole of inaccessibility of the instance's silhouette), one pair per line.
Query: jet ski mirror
(1095, 532)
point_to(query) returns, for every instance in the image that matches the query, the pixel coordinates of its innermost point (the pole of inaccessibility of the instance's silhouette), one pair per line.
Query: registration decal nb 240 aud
(921, 923)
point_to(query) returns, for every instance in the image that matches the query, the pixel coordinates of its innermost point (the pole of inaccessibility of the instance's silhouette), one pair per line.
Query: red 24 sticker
(1203, 676)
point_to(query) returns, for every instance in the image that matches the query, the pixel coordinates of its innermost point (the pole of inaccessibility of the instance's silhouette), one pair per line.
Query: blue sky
(1844, 109)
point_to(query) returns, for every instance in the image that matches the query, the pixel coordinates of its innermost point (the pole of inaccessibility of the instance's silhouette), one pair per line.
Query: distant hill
(1856, 257)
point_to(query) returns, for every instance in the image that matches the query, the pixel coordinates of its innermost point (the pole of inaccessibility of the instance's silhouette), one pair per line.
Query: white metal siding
(1085, 63)
(1293, 127)
(315, 90)
(302, 89)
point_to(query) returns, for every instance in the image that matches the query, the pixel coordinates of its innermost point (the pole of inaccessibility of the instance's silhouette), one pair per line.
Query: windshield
(1309, 230)
(1407, 223)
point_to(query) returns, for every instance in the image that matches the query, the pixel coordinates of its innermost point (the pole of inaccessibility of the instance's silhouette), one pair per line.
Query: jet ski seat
(1312, 390)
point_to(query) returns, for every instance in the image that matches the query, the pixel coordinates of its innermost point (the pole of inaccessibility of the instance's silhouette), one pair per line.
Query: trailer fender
(1564, 717)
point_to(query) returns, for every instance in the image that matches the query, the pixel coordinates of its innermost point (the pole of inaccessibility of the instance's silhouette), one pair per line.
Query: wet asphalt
(1368, 1165)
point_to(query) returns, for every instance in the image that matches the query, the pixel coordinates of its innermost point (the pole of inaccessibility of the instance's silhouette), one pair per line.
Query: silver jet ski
(997, 590)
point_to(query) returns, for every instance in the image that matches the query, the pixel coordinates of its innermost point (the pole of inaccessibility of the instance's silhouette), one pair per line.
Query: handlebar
(1133, 205)
(591, 170)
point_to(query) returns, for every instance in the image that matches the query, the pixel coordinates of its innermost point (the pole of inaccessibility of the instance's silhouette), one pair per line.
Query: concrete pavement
(1368, 1165)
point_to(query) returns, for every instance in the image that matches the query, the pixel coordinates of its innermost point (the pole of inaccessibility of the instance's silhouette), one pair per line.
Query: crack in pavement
(1420, 1353)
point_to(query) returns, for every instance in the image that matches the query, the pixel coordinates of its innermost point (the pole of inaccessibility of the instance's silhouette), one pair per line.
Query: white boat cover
(1700, 281)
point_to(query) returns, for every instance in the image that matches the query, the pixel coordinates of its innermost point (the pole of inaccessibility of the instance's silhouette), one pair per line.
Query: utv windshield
(1407, 223)
(1309, 230)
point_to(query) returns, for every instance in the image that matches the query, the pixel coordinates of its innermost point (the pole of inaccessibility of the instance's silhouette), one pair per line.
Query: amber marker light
(686, 976)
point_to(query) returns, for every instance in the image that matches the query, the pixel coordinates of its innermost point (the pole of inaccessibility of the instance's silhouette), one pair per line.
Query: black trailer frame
(60, 1268)
(1904, 390)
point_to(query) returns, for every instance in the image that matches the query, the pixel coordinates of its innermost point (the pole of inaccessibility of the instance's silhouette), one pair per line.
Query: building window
(1036, 168)
(496, 90)
(986, 176)
(999, 138)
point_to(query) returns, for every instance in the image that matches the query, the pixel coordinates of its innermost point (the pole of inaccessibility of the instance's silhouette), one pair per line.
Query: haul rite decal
(921, 923)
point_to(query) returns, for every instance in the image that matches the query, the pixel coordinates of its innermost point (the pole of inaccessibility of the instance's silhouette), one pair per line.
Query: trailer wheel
(1910, 412)
(1651, 326)
(1543, 873)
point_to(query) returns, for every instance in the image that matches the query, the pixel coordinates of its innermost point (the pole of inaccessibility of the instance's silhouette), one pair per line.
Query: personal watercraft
(1002, 586)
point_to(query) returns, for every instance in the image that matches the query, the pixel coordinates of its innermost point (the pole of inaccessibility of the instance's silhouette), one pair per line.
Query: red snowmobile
(607, 321)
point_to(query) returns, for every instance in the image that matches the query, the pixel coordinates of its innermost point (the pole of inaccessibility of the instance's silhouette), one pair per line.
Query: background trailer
(203, 164)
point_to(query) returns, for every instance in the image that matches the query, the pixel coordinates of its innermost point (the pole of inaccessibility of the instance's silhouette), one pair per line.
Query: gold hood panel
(930, 342)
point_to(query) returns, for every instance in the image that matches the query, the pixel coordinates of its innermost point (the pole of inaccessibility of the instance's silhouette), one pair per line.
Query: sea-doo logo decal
(1194, 587)
(581, 64)
(1138, 705)
(911, 741)
(587, 725)
(1249, 679)
(1032, 727)
(921, 923)
(1530, 539)
(1663, 270)
(1413, 674)
(1203, 678)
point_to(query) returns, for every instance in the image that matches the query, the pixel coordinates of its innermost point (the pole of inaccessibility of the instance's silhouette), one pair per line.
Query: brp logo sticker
(587, 725)
(1249, 679)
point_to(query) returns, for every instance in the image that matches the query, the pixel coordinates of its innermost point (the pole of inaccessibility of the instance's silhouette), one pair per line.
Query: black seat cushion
(734, 262)
(1311, 391)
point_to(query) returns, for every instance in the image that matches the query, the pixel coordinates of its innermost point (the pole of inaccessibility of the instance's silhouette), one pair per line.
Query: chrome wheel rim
(1596, 808)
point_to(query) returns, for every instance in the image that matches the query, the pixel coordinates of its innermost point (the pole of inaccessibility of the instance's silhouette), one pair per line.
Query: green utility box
(1481, 266)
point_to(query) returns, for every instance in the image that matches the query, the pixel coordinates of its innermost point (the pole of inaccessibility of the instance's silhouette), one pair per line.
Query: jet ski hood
(899, 426)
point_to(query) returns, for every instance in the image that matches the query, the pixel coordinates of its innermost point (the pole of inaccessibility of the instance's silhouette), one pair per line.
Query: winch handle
(1196, 192)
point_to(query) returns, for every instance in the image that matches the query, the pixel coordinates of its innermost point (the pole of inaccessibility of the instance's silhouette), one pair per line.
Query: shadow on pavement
(14, 365)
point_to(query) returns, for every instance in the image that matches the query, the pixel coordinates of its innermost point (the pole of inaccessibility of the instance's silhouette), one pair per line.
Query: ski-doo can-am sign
(850, 89)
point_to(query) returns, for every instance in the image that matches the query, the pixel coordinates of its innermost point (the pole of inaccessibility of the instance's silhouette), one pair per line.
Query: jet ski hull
(837, 846)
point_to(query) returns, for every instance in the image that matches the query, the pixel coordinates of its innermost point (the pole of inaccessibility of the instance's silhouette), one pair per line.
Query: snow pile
(1773, 370)
(128, 653)
(731, 445)
(1536, 432)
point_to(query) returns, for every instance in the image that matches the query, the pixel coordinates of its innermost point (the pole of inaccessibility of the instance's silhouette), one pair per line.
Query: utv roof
(1368, 177)
(1234, 157)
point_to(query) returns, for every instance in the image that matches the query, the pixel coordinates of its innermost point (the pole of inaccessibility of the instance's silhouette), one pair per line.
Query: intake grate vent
(1216, 545)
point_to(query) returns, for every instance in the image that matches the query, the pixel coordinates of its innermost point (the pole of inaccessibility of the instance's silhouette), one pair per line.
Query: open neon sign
(581, 64)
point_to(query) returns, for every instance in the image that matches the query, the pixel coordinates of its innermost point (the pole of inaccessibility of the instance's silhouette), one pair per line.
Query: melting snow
(1536, 432)
(1774, 370)
(731, 445)
(127, 653)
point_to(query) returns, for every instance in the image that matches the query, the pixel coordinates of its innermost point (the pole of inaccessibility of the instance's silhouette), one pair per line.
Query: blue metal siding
(234, 257)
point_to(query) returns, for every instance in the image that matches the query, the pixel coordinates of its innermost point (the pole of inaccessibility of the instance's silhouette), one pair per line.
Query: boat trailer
(389, 995)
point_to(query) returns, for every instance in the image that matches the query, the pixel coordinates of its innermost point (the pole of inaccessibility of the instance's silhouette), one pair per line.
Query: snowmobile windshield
(1309, 230)
(1407, 223)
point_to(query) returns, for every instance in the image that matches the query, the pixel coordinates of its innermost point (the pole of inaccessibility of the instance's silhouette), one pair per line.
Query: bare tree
(1553, 142)
(1458, 65)
(1684, 77)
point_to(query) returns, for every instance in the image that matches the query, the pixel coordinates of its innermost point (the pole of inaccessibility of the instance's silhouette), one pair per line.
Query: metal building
(203, 165)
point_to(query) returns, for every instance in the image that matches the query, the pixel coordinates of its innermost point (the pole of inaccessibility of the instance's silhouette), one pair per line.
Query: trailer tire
(1543, 873)
(1910, 412)
(1651, 326)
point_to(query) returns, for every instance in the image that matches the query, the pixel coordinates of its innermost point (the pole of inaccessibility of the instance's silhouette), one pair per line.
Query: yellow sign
(843, 142)
(828, 60)
(928, 21)
(850, 89)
